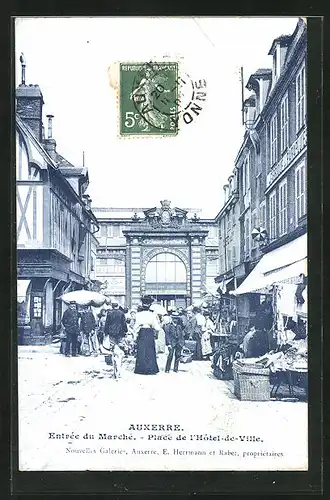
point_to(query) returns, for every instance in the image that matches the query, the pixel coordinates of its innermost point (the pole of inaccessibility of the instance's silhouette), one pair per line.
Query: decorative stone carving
(165, 216)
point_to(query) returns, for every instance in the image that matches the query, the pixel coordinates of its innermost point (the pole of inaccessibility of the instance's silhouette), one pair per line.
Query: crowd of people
(141, 332)
(149, 329)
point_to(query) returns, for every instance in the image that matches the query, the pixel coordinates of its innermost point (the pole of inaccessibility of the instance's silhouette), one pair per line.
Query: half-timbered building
(55, 224)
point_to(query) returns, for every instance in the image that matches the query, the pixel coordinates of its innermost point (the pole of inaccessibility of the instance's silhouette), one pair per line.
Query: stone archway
(160, 250)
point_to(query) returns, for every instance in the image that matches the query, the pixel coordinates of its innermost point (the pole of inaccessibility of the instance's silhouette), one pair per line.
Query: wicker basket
(251, 382)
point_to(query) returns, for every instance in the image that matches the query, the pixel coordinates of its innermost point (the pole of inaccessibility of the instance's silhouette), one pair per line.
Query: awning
(224, 283)
(212, 288)
(277, 266)
(22, 286)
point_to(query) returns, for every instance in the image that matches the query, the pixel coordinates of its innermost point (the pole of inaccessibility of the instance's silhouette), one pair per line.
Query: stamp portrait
(148, 98)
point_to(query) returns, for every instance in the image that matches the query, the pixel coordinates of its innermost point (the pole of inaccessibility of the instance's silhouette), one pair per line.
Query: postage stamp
(149, 98)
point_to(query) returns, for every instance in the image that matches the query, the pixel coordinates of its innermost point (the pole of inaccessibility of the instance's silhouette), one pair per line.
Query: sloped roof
(283, 40)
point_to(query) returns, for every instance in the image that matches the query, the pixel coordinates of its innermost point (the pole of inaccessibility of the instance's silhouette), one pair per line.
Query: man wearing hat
(115, 324)
(174, 340)
(70, 321)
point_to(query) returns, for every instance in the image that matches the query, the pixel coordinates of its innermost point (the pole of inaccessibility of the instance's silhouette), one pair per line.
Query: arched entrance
(166, 279)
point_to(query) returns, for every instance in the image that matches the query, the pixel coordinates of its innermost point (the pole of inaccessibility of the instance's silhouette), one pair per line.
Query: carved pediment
(165, 216)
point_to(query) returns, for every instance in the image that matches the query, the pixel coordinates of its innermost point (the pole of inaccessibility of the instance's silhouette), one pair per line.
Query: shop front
(43, 276)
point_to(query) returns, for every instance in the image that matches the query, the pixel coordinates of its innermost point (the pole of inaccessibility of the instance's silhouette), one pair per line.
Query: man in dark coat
(115, 324)
(174, 339)
(88, 327)
(70, 321)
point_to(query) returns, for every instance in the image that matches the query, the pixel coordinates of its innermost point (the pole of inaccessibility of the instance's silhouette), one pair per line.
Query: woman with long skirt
(199, 325)
(146, 328)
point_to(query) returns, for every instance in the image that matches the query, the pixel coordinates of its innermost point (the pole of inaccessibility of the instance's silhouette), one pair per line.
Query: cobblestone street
(79, 395)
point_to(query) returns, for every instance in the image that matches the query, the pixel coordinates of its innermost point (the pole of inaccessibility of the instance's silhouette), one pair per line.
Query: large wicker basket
(251, 382)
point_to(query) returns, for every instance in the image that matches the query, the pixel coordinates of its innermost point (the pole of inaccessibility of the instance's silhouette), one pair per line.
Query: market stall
(280, 279)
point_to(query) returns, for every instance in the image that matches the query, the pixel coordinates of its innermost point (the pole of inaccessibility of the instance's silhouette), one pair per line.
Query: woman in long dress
(207, 331)
(160, 341)
(199, 325)
(146, 328)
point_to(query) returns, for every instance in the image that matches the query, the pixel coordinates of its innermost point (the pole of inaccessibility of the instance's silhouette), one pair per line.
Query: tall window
(246, 174)
(300, 191)
(166, 268)
(229, 221)
(262, 215)
(229, 266)
(111, 267)
(284, 123)
(283, 208)
(116, 231)
(254, 223)
(300, 98)
(247, 235)
(273, 140)
(103, 230)
(272, 215)
(234, 262)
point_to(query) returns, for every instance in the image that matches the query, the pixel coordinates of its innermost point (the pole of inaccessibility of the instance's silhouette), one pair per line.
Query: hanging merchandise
(299, 292)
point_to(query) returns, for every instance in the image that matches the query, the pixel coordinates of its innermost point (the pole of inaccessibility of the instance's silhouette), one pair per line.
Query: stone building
(169, 253)
(55, 224)
(270, 173)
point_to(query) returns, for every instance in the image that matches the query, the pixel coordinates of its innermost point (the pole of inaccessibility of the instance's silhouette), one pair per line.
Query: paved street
(79, 395)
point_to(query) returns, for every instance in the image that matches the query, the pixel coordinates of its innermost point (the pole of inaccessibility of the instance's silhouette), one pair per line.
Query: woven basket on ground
(251, 382)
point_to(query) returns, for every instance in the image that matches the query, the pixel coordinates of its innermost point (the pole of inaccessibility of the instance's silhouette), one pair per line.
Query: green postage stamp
(149, 99)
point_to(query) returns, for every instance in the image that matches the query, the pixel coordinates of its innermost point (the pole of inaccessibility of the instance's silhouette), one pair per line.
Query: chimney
(29, 103)
(50, 143)
(259, 82)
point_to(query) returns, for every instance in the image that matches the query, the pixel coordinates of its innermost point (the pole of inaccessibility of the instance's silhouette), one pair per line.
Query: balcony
(287, 158)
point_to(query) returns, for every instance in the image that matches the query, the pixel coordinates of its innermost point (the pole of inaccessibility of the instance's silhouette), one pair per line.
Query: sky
(69, 59)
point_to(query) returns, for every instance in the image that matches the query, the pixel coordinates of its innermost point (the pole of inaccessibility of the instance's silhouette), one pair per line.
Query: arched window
(166, 268)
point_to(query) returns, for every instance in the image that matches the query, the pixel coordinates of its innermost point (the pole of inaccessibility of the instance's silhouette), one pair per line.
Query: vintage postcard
(162, 243)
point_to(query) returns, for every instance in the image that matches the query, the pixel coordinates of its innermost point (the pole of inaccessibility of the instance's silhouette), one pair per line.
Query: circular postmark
(162, 96)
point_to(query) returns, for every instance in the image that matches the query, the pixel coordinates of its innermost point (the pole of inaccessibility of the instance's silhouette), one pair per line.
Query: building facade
(166, 252)
(268, 204)
(55, 224)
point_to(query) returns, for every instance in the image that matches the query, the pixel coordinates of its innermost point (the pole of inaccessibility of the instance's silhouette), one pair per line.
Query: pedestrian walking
(174, 341)
(146, 328)
(207, 331)
(71, 323)
(199, 325)
(88, 329)
(101, 325)
(115, 323)
(183, 317)
(160, 341)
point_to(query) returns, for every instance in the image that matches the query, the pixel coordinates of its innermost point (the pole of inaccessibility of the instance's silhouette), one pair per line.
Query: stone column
(196, 268)
(128, 272)
(135, 271)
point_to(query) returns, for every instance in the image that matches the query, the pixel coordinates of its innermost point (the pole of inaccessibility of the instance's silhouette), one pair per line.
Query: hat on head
(175, 314)
(72, 302)
(147, 300)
